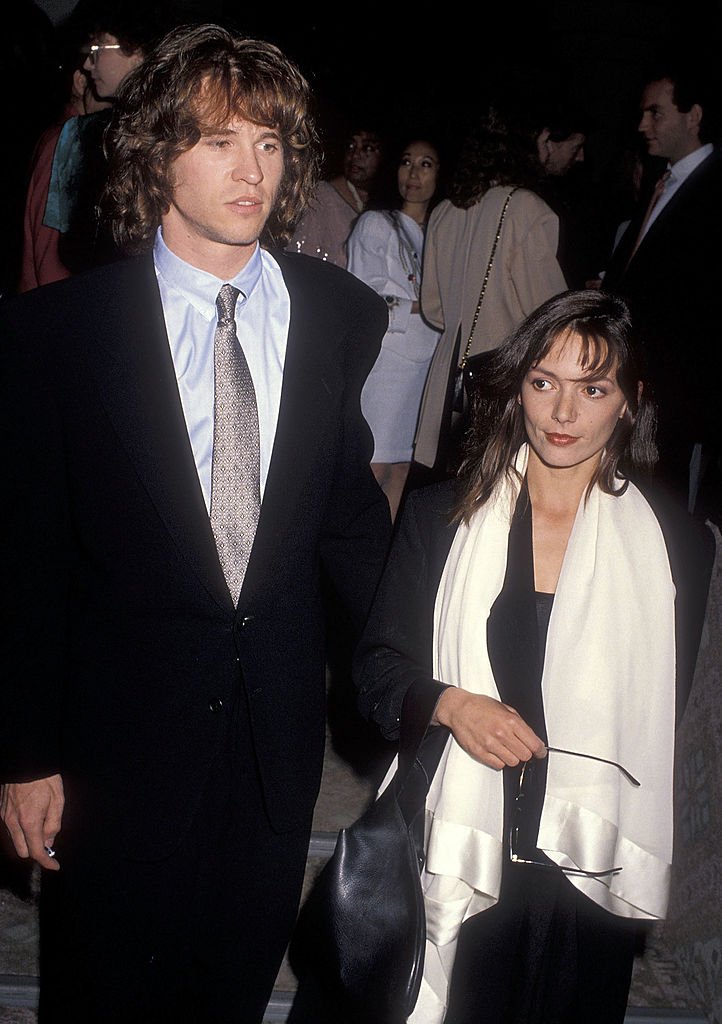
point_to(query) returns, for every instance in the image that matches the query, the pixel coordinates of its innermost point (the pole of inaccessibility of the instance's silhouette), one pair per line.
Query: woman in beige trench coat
(497, 160)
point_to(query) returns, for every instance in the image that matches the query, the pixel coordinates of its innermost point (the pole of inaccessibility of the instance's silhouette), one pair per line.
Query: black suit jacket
(124, 647)
(672, 285)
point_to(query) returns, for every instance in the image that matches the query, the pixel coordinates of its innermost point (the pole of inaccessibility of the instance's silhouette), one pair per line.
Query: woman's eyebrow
(591, 376)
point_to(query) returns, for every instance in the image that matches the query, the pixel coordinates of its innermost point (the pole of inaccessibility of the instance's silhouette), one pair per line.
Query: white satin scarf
(608, 687)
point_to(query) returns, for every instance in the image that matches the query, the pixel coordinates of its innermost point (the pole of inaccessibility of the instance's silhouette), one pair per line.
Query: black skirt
(544, 954)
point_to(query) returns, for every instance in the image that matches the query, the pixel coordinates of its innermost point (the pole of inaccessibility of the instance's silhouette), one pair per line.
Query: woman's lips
(561, 440)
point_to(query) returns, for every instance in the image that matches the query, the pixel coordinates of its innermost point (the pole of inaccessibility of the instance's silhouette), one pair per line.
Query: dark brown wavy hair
(603, 324)
(497, 151)
(197, 79)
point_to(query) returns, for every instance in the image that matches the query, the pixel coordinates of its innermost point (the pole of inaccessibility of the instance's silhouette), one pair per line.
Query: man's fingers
(18, 838)
(39, 853)
(53, 821)
(32, 812)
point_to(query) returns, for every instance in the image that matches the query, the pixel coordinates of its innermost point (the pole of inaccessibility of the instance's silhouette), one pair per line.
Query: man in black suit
(186, 460)
(668, 265)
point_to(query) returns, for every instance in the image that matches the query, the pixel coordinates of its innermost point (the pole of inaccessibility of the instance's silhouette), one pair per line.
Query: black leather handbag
(361, 932)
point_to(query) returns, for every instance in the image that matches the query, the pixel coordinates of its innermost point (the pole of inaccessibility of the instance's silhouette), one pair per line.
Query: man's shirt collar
(199, 287)
(684, 167)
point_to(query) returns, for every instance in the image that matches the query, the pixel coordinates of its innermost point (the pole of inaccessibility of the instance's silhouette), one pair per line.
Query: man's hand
(32, 812)
(489, 731)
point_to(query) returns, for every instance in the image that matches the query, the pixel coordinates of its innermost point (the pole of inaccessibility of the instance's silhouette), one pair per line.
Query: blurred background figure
(28, 78)
(40, 262)
(559, 147)
(118, 35)
(634, 175)
(326, 225)
(498, 163)
(561, 129)
(385, 250)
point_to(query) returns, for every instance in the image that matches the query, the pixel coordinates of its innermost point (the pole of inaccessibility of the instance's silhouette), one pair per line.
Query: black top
(516, 637)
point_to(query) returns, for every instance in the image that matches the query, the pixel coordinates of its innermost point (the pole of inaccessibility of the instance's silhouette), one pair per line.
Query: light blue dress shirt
(263, 313)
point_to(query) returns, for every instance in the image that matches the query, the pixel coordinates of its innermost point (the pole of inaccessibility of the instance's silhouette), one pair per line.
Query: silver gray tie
(236, 474)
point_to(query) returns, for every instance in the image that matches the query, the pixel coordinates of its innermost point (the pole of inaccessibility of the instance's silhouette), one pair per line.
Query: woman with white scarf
(558, 615)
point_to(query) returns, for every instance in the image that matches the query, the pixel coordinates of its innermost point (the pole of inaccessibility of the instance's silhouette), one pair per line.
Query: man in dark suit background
(186, 460)
(668, 265)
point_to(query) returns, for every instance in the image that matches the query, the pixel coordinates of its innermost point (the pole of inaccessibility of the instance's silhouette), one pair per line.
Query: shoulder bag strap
(484, 283)
(420, 749)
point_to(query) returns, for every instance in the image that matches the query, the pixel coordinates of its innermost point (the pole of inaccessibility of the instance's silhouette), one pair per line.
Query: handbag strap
(420, 749)
(484, 283)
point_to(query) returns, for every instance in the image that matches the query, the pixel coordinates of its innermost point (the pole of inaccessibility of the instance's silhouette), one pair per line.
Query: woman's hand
(489, 731)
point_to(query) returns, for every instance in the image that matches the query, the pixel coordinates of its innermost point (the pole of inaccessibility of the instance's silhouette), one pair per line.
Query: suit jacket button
(215, 705)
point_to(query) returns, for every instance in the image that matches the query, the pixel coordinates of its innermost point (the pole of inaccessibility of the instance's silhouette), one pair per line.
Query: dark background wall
(438, 62)
(423, 68)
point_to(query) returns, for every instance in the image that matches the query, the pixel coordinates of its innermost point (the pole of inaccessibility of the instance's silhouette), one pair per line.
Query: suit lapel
(674, 212)
(138, 386)
(312, 386)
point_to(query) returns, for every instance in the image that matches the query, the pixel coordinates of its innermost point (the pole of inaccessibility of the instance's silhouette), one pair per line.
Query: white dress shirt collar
(188, 296)
(684, 167)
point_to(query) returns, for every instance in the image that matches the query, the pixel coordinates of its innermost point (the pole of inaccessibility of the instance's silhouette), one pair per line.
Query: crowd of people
(442, 279)
(232, 388)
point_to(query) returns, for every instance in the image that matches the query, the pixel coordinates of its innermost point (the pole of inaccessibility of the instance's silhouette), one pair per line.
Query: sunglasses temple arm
(592, 757)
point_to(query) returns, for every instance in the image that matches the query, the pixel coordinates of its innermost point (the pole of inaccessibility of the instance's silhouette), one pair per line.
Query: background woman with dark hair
(498, 159)
(558, 617)
(385, 250)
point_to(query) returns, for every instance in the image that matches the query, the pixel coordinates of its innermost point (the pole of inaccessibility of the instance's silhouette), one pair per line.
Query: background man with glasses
(118, 38)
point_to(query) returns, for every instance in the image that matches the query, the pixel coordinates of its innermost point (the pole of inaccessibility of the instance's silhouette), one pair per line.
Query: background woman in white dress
(385, 250)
